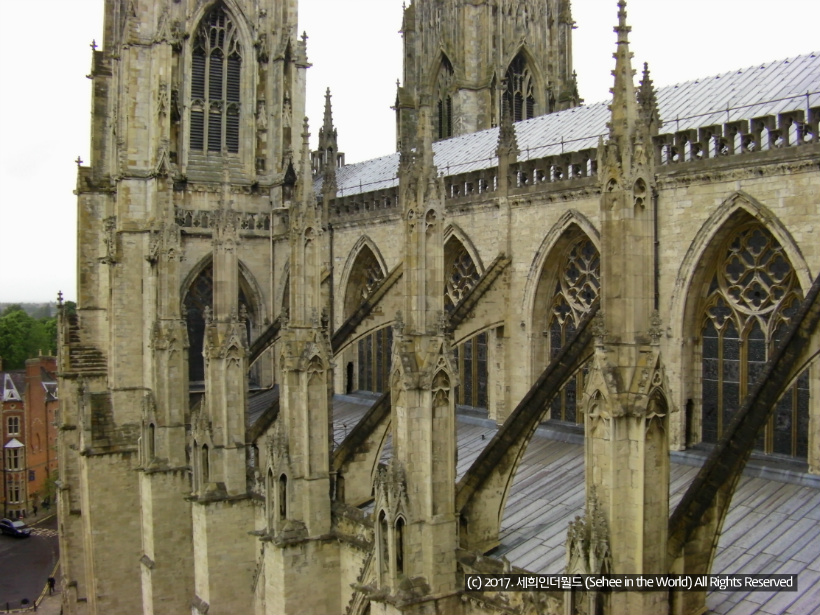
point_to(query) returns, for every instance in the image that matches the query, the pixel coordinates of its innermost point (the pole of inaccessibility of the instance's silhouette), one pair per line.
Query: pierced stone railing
(759, 134)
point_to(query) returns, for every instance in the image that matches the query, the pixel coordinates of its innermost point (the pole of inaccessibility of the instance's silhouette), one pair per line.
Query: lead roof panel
(756, 91)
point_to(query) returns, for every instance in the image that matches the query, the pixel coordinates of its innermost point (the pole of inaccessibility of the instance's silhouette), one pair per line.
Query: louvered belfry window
(216, 65)
(519, 96)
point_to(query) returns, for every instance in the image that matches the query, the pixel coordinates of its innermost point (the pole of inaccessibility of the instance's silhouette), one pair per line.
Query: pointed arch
(570, 218)
(523, 87)
(443, 90)
(363, 270)
(565, 288)
(197, 301)
(462, 271)
(220, 83)
(738, 204)
(462, 266)
(742, 286)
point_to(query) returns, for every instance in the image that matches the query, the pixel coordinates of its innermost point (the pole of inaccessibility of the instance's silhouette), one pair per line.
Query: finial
(623, 107)
(79, 161)
(304, 37)
(93, 44)
(622, 29)
(59, 298)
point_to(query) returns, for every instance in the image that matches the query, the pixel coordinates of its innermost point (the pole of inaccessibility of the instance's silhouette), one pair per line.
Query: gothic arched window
(752, 297)
(575, 291)
(216, 64)
(471, 355)
(462, 274)
(444, 100)
(198, 300)
(519, 92)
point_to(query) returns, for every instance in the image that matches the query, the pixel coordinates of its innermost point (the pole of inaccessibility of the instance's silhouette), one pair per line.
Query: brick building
(29, 414)
(15, 484)
(42, 404)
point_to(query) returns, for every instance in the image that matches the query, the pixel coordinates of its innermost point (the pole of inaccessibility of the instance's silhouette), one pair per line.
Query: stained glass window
(575, 291)
(753, 295)
(463, 274)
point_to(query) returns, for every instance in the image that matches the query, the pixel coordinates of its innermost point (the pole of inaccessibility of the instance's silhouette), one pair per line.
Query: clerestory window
(519, 92)
(216, 65)
(576, 290)
(753, 296)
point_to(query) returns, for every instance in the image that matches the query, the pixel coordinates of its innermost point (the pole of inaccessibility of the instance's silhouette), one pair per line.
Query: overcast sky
(355, 50)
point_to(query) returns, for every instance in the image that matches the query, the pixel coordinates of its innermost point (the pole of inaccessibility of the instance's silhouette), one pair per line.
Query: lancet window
(575, 291)
(216, 64)
(519, 92)
(444, 102)
(752, 298)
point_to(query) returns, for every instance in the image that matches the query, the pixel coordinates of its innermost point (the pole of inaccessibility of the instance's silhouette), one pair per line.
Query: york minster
(541, 336)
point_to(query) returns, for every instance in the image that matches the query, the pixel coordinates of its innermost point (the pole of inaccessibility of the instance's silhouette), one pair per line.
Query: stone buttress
(626, 448)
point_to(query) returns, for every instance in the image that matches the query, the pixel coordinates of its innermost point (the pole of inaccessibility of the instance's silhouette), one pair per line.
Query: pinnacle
(624, 110)
(328, 119)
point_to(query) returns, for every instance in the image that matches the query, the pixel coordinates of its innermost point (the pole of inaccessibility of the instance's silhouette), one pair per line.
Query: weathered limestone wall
(303, 578)
(167, 542)
(112, 524)
(213, 522)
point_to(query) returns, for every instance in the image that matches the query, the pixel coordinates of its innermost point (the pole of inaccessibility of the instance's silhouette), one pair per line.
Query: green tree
(23, 337)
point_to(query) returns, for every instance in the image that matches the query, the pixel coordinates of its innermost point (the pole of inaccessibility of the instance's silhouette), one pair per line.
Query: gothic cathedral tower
(193, 104)
(476, 59)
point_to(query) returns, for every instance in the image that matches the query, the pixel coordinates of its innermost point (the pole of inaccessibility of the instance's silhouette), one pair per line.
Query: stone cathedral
(269, 383)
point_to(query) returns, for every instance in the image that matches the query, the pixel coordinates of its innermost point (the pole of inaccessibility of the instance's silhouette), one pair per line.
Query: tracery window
(471, 355)
(365, 277)
(519, 93)
(463, 275)
(444, 104)
(575, 291)
(216, 65)
(752, 298)
(198, 301)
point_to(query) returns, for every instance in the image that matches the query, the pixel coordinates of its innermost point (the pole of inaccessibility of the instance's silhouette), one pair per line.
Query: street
(26, 563)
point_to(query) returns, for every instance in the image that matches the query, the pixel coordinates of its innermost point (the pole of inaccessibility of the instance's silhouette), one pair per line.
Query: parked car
(14, 528)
